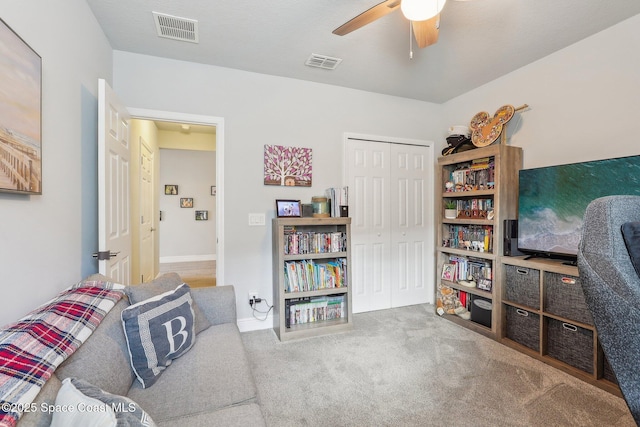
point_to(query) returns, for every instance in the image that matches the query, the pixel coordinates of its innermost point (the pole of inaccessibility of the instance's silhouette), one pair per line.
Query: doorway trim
(195, 119)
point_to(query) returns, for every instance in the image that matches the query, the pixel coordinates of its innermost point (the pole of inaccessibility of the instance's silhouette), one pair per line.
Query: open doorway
(187, 232)
(190, 145)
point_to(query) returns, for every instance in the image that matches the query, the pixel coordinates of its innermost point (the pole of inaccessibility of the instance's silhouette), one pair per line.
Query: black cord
(266, 313)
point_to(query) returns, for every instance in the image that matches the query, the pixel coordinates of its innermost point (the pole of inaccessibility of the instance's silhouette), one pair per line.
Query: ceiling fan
(424, 17)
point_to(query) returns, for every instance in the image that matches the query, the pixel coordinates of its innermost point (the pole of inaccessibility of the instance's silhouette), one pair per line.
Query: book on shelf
(308, 275)
(300, 311)
(468, 269)
(312, 242)
(338, 196)
(476, 175)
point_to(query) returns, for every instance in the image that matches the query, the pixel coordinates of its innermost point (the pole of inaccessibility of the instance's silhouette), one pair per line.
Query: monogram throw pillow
(158, 330)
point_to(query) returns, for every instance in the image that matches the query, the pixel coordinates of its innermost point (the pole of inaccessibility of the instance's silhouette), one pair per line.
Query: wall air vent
(173, 27)
(322, 61)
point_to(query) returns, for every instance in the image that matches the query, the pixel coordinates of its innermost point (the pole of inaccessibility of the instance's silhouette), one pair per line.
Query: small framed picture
(213, 190)
(186, 202)
(448, 272)
(171, 190)
(288, 208)
(202, 215)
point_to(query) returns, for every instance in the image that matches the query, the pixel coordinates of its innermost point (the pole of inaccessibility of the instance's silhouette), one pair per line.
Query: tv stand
(544, 315)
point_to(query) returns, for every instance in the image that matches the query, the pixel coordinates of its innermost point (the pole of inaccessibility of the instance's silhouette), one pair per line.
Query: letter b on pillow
(158, 330)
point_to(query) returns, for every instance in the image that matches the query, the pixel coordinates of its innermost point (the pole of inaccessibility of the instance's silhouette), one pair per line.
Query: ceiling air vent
(322, 61)
(173, 27)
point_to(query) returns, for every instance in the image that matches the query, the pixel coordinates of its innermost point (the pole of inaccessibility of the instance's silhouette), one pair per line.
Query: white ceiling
(480, 40)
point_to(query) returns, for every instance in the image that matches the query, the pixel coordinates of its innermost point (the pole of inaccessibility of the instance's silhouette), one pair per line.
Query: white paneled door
(147, 218)
(114, 225)
(390, 202)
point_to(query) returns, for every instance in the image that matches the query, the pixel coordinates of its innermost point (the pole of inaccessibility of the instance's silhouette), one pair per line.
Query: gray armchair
(612, 289)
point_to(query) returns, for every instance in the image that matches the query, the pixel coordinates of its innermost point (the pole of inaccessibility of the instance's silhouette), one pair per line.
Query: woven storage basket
(523, 286)
(570, 344)
(523, 327)
(563, 296)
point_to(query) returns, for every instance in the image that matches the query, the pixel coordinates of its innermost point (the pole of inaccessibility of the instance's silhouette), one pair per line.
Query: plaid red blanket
(33, 347)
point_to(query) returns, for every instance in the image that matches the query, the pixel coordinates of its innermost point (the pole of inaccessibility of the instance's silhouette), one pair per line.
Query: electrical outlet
(252, 297)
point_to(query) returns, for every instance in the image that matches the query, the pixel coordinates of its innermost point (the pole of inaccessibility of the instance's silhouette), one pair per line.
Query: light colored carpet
(408, 367)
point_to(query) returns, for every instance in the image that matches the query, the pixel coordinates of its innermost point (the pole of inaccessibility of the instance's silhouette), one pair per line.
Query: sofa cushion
(161, 284)
(631, 235)
(159, 330)
(103, 359)
(214, 374)
(93, 406)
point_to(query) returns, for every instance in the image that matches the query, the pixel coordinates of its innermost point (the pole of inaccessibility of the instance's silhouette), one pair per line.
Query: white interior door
(369, 185)
(147, 217)
(411, 225)
(390, 203)
(114, 228)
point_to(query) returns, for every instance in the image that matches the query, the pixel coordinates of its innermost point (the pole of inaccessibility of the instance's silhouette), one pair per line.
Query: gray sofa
(210, 385)
(612, 289)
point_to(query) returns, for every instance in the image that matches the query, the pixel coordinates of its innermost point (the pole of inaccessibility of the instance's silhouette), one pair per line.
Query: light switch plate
(256, 219)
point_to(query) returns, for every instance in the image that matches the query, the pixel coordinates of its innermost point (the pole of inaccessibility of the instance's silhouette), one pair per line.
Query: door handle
(104, 255)
(153, 229)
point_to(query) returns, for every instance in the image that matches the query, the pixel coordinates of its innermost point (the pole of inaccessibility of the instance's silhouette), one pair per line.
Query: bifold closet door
(411, 225)
(369, 187)
(390, 186)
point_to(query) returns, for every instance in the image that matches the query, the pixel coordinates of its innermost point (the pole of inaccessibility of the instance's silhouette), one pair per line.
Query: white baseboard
(252, 324)
(187, 258)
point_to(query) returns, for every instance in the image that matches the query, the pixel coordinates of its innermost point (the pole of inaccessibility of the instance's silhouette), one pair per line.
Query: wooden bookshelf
(323, 320)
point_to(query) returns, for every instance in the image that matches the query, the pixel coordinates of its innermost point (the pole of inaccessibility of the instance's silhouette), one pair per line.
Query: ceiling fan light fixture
(421, 10)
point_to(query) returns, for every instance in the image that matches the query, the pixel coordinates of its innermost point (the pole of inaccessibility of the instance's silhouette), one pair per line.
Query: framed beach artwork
(20, 115)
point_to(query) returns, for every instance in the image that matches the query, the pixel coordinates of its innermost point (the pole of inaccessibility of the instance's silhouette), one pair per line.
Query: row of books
(338, 196)
(474, 204)
(469, 237)
(311, 242)
(307, 275)
(309, 310)
(468, 269)
(477, 175)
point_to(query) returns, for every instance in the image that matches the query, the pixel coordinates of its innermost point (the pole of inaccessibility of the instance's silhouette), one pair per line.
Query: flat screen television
(552, 201)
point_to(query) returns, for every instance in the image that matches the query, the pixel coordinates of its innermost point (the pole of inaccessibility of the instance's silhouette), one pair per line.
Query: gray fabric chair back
(612, 289)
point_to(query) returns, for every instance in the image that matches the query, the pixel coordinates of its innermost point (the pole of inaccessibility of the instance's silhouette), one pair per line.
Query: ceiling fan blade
(426, 32)
(368, 16)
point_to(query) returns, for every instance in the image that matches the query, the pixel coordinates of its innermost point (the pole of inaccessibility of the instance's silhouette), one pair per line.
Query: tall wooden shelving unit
(502, 195)
(283, 297)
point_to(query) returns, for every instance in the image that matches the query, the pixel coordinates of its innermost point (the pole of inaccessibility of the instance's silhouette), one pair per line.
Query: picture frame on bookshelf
(288, 208)
(484, 284)
(448, 272)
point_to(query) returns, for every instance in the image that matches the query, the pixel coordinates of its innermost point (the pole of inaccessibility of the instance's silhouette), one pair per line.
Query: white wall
(258, 110)
(584, 100)
(42, 237)
(182, 238)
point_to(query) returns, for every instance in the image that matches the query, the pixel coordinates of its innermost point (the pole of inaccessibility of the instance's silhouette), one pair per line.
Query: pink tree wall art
(287, 166)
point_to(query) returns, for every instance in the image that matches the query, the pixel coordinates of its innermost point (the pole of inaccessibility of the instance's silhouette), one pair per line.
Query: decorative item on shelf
(320, 207)
(450, 209)
(458, 140)
(307, 210)
(486, 130)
